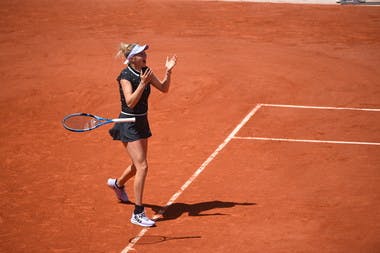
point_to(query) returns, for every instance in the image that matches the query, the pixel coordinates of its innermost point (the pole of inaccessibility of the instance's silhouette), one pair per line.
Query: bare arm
(133, 97)
(164, 84)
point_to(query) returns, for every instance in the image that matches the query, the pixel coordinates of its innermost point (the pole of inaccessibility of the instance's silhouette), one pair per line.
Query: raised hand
(170, 63)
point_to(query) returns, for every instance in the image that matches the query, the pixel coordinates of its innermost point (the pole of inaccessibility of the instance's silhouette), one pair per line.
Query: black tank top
(133, 76)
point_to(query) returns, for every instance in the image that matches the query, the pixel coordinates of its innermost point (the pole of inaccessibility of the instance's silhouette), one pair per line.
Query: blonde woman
(134, 87)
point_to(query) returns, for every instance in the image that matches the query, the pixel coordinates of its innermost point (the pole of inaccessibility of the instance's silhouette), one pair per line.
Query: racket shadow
(152, 239)
(176, 210)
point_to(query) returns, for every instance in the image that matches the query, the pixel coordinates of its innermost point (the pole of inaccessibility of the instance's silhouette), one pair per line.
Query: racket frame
(101, 121)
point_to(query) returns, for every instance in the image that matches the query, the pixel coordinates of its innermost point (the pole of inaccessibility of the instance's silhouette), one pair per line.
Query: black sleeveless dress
(132, 131)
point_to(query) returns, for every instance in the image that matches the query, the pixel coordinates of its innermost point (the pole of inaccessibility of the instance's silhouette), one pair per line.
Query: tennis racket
(81, 122)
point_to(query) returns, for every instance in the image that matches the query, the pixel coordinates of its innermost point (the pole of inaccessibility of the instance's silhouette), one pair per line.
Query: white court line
(315, 141)
(194, 176)
(318, 2)
(283, 1)
(323, 107)
(308, 141)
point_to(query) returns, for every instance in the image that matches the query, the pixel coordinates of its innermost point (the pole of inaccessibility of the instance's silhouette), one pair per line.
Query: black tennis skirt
(131, 131)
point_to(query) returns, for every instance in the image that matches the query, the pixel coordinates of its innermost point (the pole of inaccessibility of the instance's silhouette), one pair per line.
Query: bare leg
(128, 173)
(137, 150)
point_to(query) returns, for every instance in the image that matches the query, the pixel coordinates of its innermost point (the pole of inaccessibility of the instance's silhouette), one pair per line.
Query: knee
(142, 166)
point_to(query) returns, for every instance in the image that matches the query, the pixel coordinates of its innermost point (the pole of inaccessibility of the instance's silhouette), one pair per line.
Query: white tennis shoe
(141, 220)
(119, 191)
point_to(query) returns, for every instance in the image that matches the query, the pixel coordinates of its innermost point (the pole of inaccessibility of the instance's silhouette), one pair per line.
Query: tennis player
(134, 86)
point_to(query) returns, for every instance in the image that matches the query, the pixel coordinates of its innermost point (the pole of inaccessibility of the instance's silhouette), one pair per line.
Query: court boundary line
(174, 197)
(307, 141)
(307, 2)
(313, 141)
(323, 107)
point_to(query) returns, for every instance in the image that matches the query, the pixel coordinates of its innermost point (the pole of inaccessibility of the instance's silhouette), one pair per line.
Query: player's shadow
(175, 210)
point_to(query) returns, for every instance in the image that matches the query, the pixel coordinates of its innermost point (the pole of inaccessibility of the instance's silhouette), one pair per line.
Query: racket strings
(81, 122)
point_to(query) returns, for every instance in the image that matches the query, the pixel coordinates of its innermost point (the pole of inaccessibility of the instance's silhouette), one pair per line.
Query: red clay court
(268, 141)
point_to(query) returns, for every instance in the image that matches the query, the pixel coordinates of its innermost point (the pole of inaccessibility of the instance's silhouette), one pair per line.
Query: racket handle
(124, 120)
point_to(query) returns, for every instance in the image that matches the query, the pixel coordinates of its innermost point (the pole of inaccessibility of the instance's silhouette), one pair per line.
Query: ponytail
(125, 49)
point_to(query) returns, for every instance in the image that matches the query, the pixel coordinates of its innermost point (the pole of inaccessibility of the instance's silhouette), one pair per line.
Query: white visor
(136, 50)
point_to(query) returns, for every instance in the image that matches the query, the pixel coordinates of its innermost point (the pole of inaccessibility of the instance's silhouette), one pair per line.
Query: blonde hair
(125, 49)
